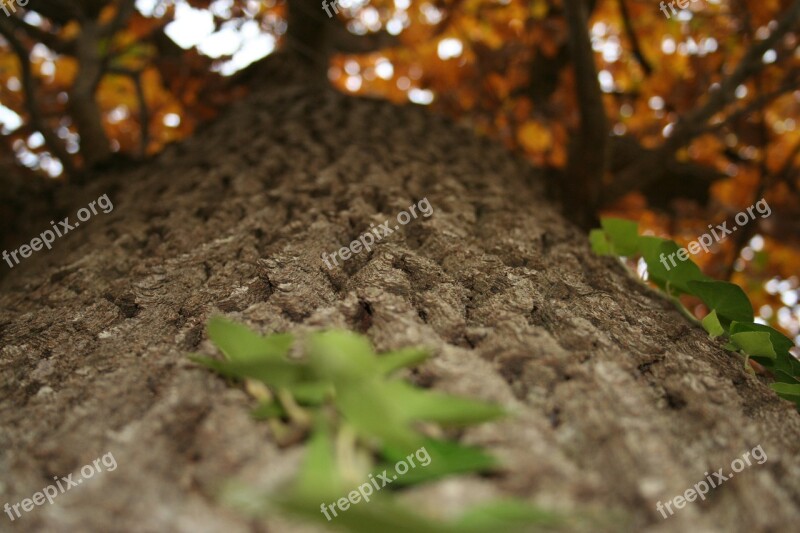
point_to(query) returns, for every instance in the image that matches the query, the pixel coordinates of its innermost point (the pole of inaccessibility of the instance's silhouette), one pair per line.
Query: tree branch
(690, 124)
(82, 102)
(59, 11)
(635, 48)
(785, 173)
(30, 86)
(315, 35)
(790, 84)
(45, 37)
(744, 236)
(144, 116)
(125, 9)
(587, 162)
(649, 170)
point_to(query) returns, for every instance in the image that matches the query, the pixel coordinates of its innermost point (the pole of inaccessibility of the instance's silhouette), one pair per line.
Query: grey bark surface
(619, 401)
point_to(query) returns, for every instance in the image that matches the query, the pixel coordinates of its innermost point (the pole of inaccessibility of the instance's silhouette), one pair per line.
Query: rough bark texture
(620, 402)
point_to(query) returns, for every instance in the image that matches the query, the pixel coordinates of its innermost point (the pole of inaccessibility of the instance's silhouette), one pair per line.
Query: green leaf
(268, 410)
(275, 373)
(712, 326)
(727, 299)
(785, 362)
(374, 414)
(783, 377)
(600, 243)
(311, 393)
(240, 343)
(754, 344)
(406, 357)
(342, 356)
(679, 272)
(650, 248)
(439, 458)
(507, 515)
(665, 267)
(623, 234)
(341, 367)
(780, 342)
(319, 475)
(422, 405)
(787, 391)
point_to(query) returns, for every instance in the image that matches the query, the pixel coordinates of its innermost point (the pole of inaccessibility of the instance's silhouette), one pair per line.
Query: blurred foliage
(499, 66)
(361, 421)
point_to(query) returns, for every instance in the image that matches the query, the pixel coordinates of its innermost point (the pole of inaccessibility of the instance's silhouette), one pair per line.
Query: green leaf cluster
(731, 313)
(362, 419)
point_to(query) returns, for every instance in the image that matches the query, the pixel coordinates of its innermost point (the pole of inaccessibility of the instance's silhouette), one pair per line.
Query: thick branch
(588, 159)
(306, 34)
(83, 104)
(315, 35)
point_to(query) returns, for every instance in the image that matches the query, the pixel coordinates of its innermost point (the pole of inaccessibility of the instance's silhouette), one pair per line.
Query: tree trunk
(620, 402)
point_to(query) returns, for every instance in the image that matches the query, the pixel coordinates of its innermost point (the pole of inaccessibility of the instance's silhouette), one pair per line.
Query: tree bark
(620, 403)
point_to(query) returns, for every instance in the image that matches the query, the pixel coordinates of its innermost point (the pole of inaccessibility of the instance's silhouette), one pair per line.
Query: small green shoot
(362, 419)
